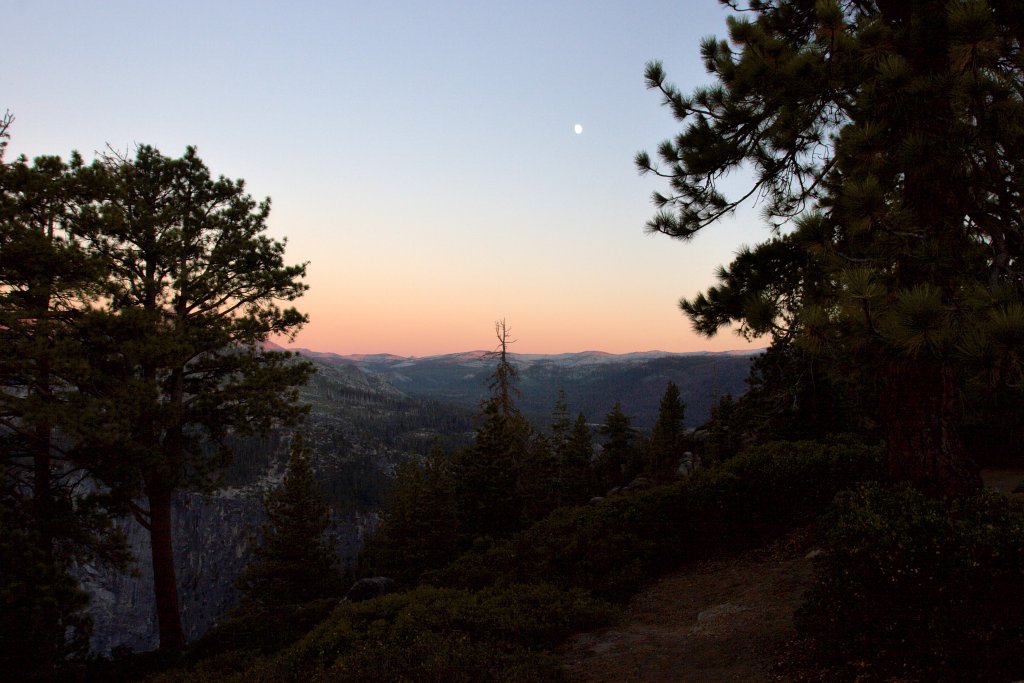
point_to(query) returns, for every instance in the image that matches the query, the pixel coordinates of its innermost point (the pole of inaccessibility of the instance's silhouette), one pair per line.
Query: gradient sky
(420, 155)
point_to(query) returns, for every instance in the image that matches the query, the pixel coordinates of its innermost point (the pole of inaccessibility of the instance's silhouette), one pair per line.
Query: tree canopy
(192, 293)
(294, 563)
(884, 141)
(136, 294)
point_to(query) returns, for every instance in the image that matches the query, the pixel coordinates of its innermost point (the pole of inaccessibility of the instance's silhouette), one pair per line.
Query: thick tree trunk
(924, 446)
(165, 583)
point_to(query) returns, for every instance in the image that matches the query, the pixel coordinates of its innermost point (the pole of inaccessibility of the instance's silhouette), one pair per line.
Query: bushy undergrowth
(434, 634)
(263, 629)
(919, 589)
(611, 547)
(494, 613)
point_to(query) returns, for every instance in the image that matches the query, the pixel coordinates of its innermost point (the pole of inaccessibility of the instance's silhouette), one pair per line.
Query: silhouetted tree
(294, 563)
(53, 517)
(617, 452)
(487, 474)
(667, 437)
(191, 297)
(578, 481)
(561, 423)
(890, 133)
(503, 381)
(537, 479)
(419, 527)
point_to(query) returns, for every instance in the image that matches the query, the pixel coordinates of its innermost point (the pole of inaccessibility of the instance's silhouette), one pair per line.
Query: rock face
(214, 538)
(359, 428)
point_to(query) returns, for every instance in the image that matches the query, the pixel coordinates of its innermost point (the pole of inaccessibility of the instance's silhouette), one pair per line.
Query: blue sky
(421, 156)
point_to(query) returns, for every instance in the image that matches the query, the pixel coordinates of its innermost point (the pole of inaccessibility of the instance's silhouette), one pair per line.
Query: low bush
(443, 658)
(493, 614)
(916, 588)
(262, 629)
(439, 629)
(609, 548)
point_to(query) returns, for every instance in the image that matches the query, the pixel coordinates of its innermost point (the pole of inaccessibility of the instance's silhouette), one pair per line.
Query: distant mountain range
(593, 380)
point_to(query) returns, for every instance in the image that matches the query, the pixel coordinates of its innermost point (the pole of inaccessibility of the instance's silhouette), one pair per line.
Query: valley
(367, 415)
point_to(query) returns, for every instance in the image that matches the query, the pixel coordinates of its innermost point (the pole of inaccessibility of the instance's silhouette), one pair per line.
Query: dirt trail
(723, 620)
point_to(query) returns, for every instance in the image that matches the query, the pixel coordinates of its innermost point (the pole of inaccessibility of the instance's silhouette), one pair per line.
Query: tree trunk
(924, 446)
(165, 583)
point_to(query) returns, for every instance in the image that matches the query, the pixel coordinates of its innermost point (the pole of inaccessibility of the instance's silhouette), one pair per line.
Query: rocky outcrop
(214, 538)
(359, 428)
(369, 588)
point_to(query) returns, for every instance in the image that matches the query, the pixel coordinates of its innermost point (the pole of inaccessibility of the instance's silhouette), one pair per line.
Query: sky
(420, 156)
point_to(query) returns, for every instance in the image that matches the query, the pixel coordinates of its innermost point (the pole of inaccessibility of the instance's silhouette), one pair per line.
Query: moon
(578, 128)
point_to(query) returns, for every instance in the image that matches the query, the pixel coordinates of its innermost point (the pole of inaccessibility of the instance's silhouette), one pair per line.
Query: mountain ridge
(480, 354)
(593, 381)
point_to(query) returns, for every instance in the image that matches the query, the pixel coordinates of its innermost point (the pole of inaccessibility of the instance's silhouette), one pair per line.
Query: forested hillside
(882, 142)
(358, 432)
(592, 382)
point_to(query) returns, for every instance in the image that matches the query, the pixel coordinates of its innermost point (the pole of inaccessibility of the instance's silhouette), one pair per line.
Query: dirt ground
(718, 621)
(1004, 480)
(723, 620)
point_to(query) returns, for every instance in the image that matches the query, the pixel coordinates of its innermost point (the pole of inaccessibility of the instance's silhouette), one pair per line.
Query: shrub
(262, 629)
(490, 615)
(435, 630)
(436, 658)
(608, 549)
(913, 587)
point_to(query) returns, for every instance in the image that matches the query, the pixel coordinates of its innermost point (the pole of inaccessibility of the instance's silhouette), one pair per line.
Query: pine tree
(722, 440)
(615, 464)
(192, 295)
(51, 519)
(561, 423)
(889, 135)
(667, 436)
(294, 563)
(487, 474)
(503, 380)
(537, 479)
(576, 464)
(419, 525)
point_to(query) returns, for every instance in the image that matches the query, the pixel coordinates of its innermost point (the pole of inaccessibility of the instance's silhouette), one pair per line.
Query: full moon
(578, 128)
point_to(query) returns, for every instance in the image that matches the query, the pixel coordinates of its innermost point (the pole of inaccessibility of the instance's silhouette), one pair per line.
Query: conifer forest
(186, 495)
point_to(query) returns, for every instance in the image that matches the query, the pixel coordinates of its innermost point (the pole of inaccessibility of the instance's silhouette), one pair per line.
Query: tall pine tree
(577, 476)
(294, 564)
(192, 295)
(486, 475)
(419, 526)
(666, 443)
(53, 518)
(616, 463)
(889, 133)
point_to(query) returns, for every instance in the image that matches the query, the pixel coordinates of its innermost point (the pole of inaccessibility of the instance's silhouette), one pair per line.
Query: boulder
(687, 463)
(639, 484)
(367, 589)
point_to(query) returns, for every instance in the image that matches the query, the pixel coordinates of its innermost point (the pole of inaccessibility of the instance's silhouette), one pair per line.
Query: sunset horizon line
(297, 348)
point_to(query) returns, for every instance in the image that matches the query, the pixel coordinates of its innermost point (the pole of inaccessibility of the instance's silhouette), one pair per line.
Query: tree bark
(923, 441)
(165, 583)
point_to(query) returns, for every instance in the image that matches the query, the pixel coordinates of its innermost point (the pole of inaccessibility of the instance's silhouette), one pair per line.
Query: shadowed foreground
(720, 620)
(723, 620)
